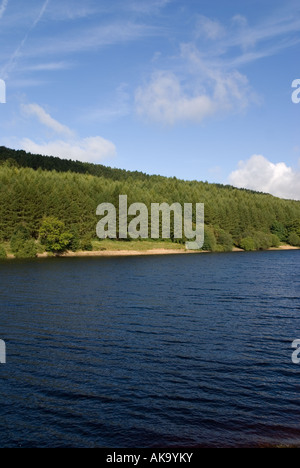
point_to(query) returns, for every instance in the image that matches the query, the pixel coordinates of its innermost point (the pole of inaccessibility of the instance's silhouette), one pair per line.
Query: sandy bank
(130, 253)
(285, 247)
(137, 253)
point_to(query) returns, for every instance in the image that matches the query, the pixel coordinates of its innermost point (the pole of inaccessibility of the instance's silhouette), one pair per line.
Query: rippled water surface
(172, 351)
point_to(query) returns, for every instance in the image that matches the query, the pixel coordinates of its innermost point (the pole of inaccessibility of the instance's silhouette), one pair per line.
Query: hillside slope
(34, 187)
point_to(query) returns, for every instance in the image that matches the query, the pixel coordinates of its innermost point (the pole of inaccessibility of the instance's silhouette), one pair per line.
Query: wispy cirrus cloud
(98, 26)
(78, 29)
(272, 29)
(46, 119)
(148, 7)
(205, 78)
(70, 11)
(240, 42)
(91, 38)
(46, 67)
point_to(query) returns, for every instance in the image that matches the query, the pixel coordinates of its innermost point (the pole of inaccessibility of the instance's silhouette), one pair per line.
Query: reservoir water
(163, 351)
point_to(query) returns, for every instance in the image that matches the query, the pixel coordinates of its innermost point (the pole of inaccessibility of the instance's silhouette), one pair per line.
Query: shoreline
(132, 253)
(138, 253)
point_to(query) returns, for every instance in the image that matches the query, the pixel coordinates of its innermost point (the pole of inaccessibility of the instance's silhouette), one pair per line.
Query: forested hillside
(35, 190)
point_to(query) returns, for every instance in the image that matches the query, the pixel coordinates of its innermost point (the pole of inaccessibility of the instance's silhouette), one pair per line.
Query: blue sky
(187, 88)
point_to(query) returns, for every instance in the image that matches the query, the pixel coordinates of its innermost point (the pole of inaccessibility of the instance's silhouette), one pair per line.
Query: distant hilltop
(50, 163)
(21, 158)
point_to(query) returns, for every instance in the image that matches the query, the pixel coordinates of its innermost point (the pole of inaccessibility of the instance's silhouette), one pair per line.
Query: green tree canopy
(54, 236)
(248, 244)
(294, 239)
(2, 253)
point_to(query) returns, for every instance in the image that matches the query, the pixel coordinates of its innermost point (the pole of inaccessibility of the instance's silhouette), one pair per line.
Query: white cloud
(47, 120)
(93, 149)
(166, 99)
(262, 175)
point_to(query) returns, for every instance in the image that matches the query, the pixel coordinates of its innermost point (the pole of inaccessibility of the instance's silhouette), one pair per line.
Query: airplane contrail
(38, 19)
(3, 7)
(11, 62)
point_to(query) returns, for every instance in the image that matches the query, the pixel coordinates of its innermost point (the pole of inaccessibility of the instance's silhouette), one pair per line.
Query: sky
(193, 89)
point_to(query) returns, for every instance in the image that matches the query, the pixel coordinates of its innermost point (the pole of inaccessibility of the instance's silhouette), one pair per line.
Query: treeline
(20, 158)
(35, 189)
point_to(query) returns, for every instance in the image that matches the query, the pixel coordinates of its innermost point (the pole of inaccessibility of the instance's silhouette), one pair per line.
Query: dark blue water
(175, 351)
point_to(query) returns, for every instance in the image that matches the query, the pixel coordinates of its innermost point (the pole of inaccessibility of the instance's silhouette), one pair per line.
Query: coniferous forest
(49, 204)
